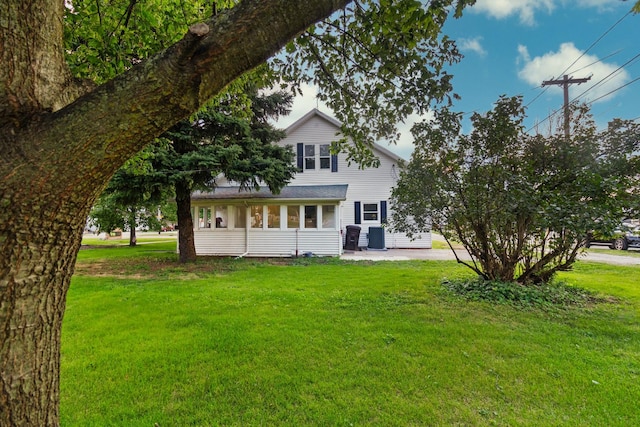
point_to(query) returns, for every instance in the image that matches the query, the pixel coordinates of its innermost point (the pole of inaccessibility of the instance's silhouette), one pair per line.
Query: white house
(322, 210)
(300, 220)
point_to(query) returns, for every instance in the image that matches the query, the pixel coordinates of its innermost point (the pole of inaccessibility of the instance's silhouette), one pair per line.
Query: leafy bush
(545, 295)
(519, 204)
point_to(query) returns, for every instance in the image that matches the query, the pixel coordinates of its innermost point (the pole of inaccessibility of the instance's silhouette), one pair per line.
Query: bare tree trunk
(133, 240)
(39, 250)
(186, 242)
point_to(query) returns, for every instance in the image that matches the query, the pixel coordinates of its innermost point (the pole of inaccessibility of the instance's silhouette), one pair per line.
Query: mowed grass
(326, 342)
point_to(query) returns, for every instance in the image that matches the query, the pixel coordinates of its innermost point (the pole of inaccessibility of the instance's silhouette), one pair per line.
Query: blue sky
(511, 46)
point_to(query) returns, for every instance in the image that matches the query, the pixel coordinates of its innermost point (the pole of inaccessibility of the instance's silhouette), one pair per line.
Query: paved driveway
(446, 254)
(614, 257)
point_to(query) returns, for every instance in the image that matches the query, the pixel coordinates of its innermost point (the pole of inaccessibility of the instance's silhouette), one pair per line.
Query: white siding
(371, 185)
(220, 242)
(400, 240)
(268, 243)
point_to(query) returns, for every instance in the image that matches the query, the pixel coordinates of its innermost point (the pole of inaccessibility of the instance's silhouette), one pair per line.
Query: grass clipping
(546, 295)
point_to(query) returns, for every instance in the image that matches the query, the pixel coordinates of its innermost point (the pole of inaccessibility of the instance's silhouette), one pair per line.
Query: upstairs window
(309, 156)
(325, 157)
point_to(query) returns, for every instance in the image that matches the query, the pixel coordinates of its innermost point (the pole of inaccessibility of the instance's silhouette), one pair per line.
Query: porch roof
(290, 192)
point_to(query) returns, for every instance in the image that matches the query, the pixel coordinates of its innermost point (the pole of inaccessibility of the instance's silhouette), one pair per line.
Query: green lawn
(326, 342)
(144, 238)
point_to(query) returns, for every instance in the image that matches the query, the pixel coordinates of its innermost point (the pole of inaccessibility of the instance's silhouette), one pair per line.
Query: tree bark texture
(33, 76)
(38, 248)
(186, 241)
(61, 142)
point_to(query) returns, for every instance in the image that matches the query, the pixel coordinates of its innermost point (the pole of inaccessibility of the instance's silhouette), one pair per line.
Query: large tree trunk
(186, 242)
(39, 247)
(57, 154)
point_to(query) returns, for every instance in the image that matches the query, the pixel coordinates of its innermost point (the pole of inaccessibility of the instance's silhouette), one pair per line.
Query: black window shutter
(357, 213)
(383, 212)
(334, 163)
(300, 150)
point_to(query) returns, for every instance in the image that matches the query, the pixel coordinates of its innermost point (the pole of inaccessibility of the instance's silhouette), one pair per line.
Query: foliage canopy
(521, 205)
(85, 85)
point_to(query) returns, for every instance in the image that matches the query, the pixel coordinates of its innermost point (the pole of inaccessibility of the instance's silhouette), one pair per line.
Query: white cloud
(603, 4)
(552, 64)
(525, 9)
(523, 54)
(472, 45)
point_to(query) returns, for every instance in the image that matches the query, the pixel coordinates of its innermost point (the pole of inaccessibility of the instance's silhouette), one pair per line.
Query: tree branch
(90, 138)
(329, 74)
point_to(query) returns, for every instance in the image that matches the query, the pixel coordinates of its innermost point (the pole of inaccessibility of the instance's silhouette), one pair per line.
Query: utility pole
(565, 82)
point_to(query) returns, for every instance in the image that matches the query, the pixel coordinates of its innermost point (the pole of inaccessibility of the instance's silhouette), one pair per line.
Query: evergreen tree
(217, 141)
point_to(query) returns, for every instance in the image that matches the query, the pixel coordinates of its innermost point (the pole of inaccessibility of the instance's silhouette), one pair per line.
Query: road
(446, 254)
(602, 255)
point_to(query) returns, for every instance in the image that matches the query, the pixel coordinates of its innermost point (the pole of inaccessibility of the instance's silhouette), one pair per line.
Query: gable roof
(290, 192)
(317, 113)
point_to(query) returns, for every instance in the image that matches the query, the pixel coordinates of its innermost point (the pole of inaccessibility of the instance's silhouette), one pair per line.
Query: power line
(611, 74)
(554, 112)
(599, 60)
(565, 82)
(572, 64)
(614, 90)
(596, 42)
(584, 53)
(537, 96)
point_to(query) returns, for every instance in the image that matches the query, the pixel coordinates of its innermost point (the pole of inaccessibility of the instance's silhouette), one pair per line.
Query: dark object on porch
(376, 238)
(352, 237)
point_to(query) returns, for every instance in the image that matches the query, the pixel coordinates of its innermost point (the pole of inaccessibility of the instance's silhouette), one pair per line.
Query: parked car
(628, 236)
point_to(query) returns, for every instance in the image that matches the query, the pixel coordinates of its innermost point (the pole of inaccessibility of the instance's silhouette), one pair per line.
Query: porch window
(293, 216)
(370, 211)
(328, 216)
(273, 216)
(309, 156)
(222, 217)
(204, 217)
(310, 217)
(256, 216)
(240, 217)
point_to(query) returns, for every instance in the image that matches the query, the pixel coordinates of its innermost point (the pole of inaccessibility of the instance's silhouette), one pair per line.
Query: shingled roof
(290, 192)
